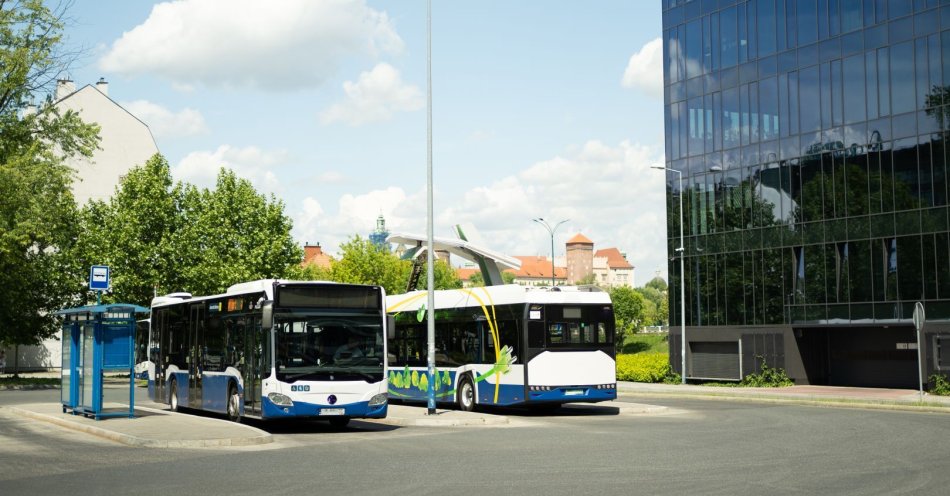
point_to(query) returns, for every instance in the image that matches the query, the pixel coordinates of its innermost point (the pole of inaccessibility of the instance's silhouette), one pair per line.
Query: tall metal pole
(430, 256)
(551, 231)
(682, 252)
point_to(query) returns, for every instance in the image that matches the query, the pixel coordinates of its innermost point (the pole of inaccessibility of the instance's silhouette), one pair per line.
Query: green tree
(477, 280)
(232, 234)
(628, 312)
(658, 284)
(37, 209)
(362, 262)
(589, 279)
(162, 236)
(135, 234)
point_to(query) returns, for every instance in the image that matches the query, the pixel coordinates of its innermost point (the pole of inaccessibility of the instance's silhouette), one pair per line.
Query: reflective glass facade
(812, 138)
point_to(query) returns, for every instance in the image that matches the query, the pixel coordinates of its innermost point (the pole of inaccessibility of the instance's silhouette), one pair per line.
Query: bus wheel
(339, 422)
(234, 404)
(466, 394)
(173, 396)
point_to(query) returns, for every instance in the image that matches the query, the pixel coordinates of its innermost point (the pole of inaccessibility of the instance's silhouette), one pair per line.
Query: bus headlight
(280, 399)
(378, 400)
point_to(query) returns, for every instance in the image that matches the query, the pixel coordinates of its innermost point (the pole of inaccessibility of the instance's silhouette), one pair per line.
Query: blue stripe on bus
(575, 394)
(359, 409)
(214, 392)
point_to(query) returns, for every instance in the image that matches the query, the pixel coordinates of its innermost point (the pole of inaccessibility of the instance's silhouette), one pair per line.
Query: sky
(549, 109)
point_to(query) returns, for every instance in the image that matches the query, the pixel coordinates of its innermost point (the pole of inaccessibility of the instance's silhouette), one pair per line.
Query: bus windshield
(576, 326)
(329, 348)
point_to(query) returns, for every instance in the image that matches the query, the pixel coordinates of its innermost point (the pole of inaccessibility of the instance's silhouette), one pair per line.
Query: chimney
(64, 88)
(103, 86)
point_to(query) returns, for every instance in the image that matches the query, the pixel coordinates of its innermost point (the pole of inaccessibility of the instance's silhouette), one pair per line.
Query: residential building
(611, 268)
(126, 141)
(314, 255)
(536, 271)
(807, 143)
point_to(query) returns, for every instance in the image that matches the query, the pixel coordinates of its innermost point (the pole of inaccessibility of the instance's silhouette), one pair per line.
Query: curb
(807, 401)
(130, 440)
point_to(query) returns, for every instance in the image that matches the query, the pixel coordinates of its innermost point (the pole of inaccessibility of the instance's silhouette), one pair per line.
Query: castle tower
(580, 258)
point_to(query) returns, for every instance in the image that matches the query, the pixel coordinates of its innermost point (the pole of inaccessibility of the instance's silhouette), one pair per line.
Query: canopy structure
(490, 263)
(108, 308)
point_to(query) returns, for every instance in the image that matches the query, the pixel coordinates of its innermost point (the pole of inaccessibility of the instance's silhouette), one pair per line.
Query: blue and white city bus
(273, 349)
(505, 346)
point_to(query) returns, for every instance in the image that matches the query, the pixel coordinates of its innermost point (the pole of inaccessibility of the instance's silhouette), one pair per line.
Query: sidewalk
(154, 426)
(821, 395)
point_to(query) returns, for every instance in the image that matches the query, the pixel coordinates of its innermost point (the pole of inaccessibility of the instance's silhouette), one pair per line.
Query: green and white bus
(505, 346)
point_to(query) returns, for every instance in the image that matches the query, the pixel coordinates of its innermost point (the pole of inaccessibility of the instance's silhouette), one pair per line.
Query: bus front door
(253, 369)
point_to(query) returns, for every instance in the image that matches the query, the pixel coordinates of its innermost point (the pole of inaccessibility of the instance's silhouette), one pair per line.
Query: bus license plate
(573, 392)
(332, 411)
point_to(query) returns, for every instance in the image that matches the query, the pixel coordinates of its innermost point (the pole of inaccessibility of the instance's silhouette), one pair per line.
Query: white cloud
(249, 43)
(356, 214)
(609, 193)
(376, 96)
(164, 122)
(251, 163)
(645, 69)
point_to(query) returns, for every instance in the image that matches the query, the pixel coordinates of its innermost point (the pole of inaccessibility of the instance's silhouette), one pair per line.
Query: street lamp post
(551, 230)
(682, 252)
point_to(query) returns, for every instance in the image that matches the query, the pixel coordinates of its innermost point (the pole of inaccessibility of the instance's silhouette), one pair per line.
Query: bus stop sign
(99, 278)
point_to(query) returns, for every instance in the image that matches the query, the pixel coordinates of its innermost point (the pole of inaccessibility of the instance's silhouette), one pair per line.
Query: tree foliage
(629, 312)
(477, 280)
(363, 262)
(37, 209)
(161, 236)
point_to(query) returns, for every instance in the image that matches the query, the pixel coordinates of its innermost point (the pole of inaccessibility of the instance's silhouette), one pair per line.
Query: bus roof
(495, 295)
(265, 286)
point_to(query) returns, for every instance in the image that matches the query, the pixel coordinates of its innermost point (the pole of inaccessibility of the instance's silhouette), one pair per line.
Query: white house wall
(126, 142)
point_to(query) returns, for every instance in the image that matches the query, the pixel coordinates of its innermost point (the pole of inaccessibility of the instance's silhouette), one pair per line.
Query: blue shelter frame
(97, 339)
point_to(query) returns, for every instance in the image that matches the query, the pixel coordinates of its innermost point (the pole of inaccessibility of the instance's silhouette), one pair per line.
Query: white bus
(505, 346)
(273, 349)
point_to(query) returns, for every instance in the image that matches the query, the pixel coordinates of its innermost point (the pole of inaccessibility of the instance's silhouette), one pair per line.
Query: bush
(769, 377)
(643, 367)
(941, 386)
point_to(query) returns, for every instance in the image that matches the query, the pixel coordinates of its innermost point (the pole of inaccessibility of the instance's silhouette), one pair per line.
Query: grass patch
(30, 381)
(646, 343)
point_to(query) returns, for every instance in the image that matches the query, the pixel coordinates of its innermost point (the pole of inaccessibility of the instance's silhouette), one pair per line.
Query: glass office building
(808, 142)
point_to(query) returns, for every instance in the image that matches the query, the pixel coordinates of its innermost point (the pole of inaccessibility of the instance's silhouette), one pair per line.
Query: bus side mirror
(267, 315)
(390, 327)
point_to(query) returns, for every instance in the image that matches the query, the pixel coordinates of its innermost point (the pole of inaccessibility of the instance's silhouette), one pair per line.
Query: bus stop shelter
(97, 339)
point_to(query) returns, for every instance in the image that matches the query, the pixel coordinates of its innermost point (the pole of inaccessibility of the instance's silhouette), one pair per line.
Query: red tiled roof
(314, 255)
(614, 258)
(466, 273)
(579, 239)
(538, 267)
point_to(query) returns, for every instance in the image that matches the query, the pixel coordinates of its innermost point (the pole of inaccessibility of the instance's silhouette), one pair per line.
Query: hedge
(643, 367)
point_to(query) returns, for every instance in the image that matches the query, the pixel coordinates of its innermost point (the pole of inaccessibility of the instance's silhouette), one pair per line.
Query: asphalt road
(704, 447)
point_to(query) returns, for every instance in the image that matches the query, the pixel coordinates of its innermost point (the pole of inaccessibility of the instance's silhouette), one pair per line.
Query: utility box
(97, 339)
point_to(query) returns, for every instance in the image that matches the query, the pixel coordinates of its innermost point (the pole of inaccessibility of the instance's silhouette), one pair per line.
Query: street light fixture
(682, 252)
(551, 230)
